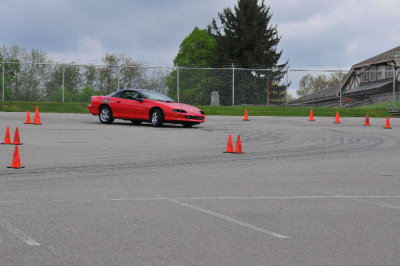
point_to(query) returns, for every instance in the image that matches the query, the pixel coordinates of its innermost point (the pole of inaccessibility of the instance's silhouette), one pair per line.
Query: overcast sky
(335, 33)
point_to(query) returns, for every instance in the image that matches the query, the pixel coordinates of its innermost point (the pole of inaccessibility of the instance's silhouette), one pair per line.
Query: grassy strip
(45, 107)
(54, 107)
(387, 105)
(293, 111)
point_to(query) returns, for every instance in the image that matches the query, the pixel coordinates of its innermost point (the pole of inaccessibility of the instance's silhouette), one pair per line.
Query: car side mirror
(140, 99)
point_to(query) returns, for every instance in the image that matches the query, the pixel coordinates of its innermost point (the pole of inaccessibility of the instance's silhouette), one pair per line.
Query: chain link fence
(227, 86)
(32, 81)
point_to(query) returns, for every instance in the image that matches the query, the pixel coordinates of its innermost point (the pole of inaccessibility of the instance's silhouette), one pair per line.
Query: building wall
(364, 75)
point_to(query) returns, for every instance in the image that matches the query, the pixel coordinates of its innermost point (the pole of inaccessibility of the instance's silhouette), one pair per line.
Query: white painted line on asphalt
(222, 198)
(282, 197)
(18, 233)
(227, 218)
(364, 200)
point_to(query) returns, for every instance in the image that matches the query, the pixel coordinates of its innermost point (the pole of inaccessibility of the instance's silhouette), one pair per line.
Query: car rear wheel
(157, 118)
(105, 115)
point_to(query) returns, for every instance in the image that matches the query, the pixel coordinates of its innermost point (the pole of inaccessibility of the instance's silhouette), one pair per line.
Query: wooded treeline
(33, 76)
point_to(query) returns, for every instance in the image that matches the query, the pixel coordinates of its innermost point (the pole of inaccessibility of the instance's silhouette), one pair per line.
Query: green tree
(56, 95)
(198, 49)
(12, 67)
(310, 84)
(86, 93)
(247, 39)
(72, 81)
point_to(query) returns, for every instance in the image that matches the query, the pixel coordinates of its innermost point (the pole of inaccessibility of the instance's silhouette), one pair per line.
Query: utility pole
(117, 78)
(340, 88)
(177, 82)
(233, 85)
(63, 80)
(287, 87)
(394, 87)
(267, 92)
(4, 56)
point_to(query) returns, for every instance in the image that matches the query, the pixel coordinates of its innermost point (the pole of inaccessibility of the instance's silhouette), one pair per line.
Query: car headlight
(201, 112)
(179, 111)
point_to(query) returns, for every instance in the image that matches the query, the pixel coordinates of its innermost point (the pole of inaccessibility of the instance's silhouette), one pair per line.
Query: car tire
(105, 115)
(136, 122)
(157, 118)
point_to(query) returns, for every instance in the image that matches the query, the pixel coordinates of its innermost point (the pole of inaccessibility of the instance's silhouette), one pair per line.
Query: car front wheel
(157, 118)
(105, 115)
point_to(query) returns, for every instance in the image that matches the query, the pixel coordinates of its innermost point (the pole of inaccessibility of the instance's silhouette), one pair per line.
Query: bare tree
(35, 71)
(90, 76)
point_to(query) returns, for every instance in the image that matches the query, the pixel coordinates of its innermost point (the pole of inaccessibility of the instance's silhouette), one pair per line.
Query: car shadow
(127, 123)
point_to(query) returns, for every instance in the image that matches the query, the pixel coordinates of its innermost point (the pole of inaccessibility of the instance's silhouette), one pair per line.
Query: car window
(132, 95)
(152, 95)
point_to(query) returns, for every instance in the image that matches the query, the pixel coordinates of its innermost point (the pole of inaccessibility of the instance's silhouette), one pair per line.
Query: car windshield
(152, 95)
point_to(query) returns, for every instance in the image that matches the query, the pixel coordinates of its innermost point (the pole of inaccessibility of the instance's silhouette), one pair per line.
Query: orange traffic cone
(311, 116)
(16, 138)
(28, 118)
(36, 121)
(7, 139)
(366, 121)
(238, 148)
(246, 116)
(229, 148)
(337, 120)
(16, 162)
(387, 124)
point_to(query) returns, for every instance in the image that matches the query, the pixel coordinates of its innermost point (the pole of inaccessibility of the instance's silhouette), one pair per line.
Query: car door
(130, 105)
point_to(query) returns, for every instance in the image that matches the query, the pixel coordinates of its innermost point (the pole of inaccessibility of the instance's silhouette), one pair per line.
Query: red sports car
(138, 105)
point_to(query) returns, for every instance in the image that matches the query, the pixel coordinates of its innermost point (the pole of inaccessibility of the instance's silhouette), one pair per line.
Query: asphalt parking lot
(303, 193)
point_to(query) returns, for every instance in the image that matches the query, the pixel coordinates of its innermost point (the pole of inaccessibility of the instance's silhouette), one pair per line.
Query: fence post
(177, 82)
(117, 78)
(287, 87)
(63, 81)
(233, 85)
(4, 55)
(340, 88)
(267, 92)
(394, 87)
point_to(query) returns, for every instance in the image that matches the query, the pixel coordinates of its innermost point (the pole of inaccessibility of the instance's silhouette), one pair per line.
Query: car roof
(133, 89)
(127, 89)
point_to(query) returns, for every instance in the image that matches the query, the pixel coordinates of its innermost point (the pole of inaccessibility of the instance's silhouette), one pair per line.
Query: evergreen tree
(246, 39)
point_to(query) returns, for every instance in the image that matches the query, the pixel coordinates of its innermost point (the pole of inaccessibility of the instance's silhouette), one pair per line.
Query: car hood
(186, 107)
